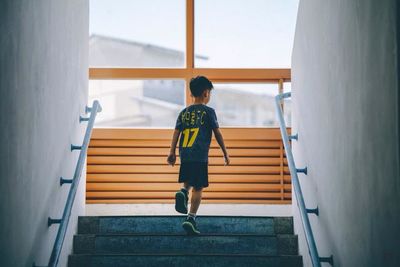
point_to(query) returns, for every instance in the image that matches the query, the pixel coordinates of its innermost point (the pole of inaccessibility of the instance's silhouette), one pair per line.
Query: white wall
(346, 111)
(43, 82)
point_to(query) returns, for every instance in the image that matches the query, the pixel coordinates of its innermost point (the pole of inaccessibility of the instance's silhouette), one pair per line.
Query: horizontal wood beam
(136, 73)
(216, 75)
(244, 75)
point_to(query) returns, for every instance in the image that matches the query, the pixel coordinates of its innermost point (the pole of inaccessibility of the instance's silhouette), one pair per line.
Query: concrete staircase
(160, 241)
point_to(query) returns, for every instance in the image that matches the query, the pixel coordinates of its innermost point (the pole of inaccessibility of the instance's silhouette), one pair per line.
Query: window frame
(233, 75)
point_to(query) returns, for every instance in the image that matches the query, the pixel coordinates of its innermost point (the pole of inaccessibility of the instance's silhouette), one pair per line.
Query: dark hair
(199, 84)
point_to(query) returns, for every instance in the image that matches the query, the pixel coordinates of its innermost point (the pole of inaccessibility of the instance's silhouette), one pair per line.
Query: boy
(196, 122)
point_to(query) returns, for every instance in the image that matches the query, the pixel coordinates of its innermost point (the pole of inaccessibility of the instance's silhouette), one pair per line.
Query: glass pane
(245, 34)
(138, 103)
(249, 105)
(137, 33)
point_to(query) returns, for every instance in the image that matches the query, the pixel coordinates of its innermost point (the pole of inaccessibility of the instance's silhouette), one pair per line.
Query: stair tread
(195, 260)
(172, 224)
(237, 244)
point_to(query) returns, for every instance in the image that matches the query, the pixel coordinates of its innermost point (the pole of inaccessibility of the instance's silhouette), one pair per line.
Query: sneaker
(190, 226)
(181, 202)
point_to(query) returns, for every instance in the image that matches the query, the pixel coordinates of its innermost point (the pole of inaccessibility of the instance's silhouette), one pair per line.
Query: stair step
(268, 245)
(198, 260)
(172, 224)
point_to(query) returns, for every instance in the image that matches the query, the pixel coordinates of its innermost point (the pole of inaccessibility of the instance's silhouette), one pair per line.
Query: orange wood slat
(259, 187)
(167, 143)
(168, 169)
(171, 194)
(162, 160)
(203, 201)
(235, 152)
(168, 177)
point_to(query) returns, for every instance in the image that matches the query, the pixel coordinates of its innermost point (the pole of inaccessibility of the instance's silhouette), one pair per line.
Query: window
(138, 103)
(142, 55)
(244, 34)
(137, 33)
(245, 105)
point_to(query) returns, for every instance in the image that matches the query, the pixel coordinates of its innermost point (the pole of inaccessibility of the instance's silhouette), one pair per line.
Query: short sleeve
(178, 124)
(213, 119)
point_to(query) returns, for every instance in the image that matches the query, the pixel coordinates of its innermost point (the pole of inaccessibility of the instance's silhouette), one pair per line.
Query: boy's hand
(171, 159)
(227, 160)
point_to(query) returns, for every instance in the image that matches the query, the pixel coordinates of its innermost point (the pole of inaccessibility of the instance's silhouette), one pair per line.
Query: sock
(192, 215)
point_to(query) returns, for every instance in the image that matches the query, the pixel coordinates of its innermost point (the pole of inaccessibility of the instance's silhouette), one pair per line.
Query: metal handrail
(312, 248)
(62, 230)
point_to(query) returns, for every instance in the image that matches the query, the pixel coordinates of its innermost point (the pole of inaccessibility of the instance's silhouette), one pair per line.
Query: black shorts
(194, 173)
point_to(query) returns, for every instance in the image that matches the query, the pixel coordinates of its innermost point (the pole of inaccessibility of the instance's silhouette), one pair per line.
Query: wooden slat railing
(129, 166)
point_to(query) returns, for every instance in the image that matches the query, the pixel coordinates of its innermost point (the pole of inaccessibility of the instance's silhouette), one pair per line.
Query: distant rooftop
(115, 52)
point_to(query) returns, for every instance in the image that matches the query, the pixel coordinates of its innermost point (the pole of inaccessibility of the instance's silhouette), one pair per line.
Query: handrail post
(312, 248)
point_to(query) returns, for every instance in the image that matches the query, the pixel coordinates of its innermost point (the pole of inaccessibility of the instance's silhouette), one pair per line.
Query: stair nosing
(183, 216)
(184, 254)
(183, 234)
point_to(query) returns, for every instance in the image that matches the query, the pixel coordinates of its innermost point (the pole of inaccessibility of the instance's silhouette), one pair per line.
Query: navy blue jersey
(196, 123)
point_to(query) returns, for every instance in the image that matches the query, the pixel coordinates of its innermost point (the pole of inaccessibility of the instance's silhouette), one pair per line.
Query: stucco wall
(346, 111)
(43, 82)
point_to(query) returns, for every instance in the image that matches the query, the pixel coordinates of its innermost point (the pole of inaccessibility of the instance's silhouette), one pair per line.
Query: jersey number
(186, 133)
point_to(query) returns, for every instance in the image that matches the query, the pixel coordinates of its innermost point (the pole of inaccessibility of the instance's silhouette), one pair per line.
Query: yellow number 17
(186, 134)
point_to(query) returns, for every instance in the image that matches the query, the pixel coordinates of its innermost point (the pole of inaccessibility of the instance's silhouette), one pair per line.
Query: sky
(231, 33)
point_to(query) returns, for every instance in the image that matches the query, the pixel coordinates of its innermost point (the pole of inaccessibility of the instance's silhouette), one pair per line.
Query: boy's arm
(220, 140)
(172, 157)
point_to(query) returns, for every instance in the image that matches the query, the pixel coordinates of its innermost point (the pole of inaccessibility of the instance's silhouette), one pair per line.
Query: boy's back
(196, 123)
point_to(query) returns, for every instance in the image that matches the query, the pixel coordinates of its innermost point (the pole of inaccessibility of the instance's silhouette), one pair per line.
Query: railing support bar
(294, 137)
(74, 147)
(65, 181)
(314, 211)
(303, 170)
(327, 259)
(51, 221)
(81, 119)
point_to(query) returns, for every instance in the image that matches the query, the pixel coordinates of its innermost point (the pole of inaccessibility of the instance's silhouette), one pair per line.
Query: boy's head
(200, 87)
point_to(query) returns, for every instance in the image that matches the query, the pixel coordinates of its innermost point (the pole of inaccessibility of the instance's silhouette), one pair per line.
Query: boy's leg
(196, 200)
(190, 224)
(181, 199)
